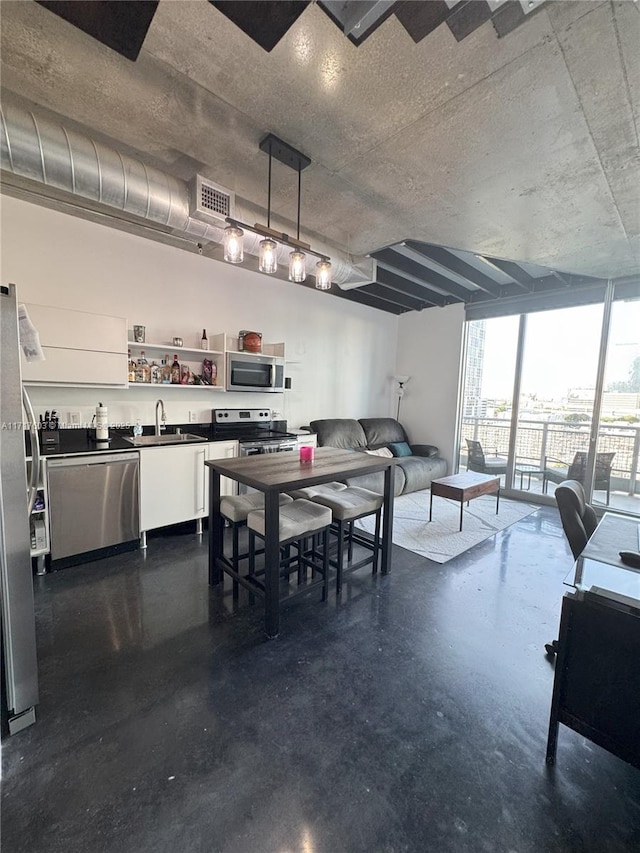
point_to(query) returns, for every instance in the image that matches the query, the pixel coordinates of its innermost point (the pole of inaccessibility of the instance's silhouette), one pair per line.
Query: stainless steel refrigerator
(20, 665)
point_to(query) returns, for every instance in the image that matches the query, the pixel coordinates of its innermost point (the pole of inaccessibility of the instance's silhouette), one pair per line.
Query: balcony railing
(536, 440)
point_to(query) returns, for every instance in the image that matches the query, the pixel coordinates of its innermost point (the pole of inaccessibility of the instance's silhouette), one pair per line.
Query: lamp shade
(233, 244)
(297, 266)
(323, 275)
(268, 256)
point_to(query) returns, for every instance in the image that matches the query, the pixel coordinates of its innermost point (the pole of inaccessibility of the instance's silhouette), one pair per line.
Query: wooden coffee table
(464, 487)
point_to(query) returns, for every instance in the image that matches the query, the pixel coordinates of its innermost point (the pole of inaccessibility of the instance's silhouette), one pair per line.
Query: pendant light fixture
(268, 246)
(233, 244)
(323, 275)
(268, 250)
(298, 259)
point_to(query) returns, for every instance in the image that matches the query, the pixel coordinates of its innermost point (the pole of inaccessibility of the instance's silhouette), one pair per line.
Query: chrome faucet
(160, 426)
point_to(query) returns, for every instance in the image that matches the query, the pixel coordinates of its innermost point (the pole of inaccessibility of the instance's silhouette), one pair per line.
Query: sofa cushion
(375, 482)
(419, 471)
(400, 448)
(345, 433)
(380, 432)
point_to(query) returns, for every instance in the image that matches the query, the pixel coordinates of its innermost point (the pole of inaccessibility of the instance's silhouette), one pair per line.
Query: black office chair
(578, 522)
(477, 461)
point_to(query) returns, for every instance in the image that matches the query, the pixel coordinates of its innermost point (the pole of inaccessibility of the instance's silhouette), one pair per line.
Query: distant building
(474, 406)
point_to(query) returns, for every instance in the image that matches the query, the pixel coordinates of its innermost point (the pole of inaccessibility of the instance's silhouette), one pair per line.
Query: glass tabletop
(599, 569)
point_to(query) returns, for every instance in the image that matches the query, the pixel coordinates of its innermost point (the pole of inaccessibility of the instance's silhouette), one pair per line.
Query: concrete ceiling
(523, 147)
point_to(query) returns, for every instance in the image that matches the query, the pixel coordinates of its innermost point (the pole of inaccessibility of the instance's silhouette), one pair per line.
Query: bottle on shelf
(155, 371)
(132, 368)
(143, 372)
(204, 342)
(175, 371)
(166, 371)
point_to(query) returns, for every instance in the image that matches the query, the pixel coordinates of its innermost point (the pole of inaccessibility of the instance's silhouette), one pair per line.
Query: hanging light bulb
(233, 244)
(297, 266)
(268, 256)
(323, 275)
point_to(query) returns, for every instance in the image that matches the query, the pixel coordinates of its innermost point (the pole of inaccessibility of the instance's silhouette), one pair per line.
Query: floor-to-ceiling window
(556, 394)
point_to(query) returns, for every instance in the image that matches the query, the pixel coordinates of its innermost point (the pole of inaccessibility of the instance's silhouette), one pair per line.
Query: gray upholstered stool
(235, 509)
(348, 505)
(321, 489)
(298, 521)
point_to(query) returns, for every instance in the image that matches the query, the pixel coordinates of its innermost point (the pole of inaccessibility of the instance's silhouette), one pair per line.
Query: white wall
(340, 355)
(429, 351)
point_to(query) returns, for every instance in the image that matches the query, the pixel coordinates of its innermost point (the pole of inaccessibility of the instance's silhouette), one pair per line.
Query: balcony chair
(578, 522)
(477, 461)
(577, 470)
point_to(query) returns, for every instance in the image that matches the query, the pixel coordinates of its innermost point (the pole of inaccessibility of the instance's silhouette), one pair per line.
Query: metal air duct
(43, 150)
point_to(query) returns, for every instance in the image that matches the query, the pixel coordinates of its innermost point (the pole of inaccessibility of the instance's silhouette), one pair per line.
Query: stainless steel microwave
(249, 372)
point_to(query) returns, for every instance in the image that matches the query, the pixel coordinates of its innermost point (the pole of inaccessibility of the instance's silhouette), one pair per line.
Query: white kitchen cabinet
(224, 450)
(79, 348)
(174, 483)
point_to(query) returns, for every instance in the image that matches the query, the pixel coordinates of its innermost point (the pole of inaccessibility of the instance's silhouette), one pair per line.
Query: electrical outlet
(74, 419)
(193, 417)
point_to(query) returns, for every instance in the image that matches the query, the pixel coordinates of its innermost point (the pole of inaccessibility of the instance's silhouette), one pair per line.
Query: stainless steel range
(255, 430)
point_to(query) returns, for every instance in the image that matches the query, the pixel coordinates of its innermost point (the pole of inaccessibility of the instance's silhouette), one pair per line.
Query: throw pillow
(400, 448)
(381, 451)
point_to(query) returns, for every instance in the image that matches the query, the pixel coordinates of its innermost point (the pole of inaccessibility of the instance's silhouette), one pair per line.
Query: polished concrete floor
(409, 717)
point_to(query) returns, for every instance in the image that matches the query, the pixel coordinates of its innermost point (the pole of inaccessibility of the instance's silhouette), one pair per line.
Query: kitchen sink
(172, 438)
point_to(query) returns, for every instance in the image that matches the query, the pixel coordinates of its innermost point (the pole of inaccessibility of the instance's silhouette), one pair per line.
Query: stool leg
(340, 557)
(301, 568)
(234, 558)
(376, 542)
(350, 541)
(252, 561)
(325, 563)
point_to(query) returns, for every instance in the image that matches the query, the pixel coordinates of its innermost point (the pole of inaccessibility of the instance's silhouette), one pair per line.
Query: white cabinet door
(224, 450)
(79, 348)
(173, 485)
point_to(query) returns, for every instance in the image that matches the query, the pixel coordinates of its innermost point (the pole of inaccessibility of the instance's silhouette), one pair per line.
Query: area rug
(441, 539)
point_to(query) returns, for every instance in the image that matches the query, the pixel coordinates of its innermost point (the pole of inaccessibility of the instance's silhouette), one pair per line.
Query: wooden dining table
(274, 473)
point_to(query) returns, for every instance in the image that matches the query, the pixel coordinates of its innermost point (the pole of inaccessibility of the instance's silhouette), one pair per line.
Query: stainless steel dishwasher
(94, 502)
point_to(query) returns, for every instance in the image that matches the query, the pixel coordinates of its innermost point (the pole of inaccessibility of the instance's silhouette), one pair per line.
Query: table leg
(558, 680)
(272, 564)
(498, 500)
(387, 520)
(430, 503)
(216, 529)
(461, 509)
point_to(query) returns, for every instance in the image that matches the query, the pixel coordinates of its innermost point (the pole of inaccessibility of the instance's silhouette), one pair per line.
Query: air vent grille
(210, 201)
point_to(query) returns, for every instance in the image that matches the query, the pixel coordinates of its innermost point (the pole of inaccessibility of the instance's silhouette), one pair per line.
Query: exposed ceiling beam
(403, 285)
(515, 272)
(394, 296)
(454, 292)
(358, 295)
(453, 263)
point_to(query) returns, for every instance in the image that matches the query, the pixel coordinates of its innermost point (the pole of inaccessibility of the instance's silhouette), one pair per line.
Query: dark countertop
(78, 441)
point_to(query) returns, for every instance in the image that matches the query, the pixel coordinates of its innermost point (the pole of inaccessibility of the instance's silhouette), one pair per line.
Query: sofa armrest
(424, 450)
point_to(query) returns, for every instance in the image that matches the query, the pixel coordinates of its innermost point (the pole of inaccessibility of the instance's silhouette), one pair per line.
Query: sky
(561, 350)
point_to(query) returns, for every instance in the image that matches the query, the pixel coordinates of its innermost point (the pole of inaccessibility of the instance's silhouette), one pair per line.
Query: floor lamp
(402, 381)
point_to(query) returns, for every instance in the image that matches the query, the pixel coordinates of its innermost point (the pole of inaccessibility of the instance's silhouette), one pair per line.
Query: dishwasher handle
(103, 459)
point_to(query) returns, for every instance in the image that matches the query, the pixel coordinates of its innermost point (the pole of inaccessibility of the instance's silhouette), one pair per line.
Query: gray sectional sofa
(412, 472)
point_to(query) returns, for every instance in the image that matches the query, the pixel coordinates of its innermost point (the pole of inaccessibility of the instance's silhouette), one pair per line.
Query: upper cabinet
(79, 348)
